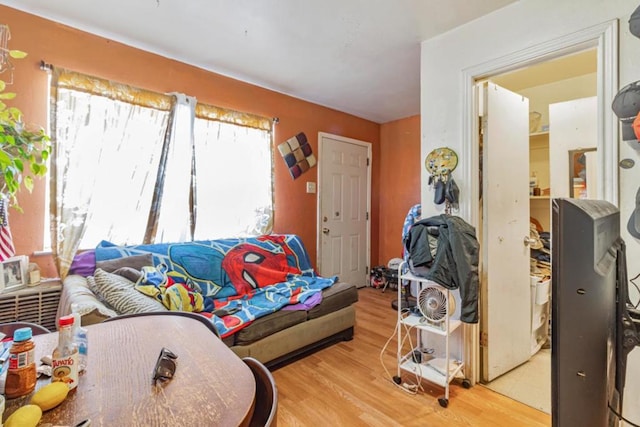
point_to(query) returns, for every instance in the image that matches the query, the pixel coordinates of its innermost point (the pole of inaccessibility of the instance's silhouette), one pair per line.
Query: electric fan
(432, 303)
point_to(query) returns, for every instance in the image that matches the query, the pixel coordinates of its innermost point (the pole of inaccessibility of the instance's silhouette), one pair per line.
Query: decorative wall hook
(440, 163)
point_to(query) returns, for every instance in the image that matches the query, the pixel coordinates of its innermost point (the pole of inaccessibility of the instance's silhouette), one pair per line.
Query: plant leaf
(15, 113)
(5, 160)
(28, 183)
(21, 149)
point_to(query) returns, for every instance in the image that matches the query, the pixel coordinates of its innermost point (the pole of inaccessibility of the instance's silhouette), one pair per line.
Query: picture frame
(13, 273)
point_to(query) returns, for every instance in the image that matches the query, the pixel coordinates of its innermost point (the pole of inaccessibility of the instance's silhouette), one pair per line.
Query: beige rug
(529, 383)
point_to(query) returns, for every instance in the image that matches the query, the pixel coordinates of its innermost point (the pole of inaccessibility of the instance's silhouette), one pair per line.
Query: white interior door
(343, 226)
(506, 317)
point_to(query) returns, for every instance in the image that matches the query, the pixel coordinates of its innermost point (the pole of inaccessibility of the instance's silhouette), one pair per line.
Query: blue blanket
(251, 277)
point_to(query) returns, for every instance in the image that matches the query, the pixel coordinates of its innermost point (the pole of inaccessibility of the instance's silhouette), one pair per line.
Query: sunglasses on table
(165, 367)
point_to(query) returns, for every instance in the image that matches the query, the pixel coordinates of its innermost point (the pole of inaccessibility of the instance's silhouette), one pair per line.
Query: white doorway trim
(367, 145)
(604, 37)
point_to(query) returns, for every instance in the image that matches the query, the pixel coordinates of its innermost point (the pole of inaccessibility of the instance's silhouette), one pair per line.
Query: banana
(50, 396)
(25, 416)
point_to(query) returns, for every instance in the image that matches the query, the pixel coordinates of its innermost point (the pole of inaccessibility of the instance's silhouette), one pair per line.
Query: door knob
(528, 241)
(325, 230)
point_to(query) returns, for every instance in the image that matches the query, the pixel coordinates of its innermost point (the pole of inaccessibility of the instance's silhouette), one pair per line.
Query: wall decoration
(297, 154)
(440, 163)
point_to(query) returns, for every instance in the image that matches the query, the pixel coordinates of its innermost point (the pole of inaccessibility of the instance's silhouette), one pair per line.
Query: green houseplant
(23, 152)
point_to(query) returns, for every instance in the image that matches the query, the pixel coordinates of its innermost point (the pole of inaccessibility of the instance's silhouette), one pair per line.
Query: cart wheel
(397, 379)
(466, 383)
(443, 401)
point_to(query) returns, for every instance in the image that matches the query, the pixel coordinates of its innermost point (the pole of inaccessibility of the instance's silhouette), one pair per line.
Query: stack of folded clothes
(540, 253)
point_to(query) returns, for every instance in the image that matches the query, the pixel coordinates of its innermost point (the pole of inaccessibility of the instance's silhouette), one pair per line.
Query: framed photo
(13, 272)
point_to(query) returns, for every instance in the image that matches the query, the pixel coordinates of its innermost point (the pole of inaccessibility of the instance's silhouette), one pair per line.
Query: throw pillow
(85, 302)
(91, 284)
(120, 294)
(129, 273)
(78, 298)
(84, 263)
(133, 261)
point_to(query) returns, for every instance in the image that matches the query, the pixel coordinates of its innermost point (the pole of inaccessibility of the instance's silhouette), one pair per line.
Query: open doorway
(603, 37)
(560, 95)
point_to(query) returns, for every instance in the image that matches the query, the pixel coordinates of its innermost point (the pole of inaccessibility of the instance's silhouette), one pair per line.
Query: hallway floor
(529, 383)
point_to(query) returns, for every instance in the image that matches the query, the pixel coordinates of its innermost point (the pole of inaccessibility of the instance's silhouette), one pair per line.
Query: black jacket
(455, 264)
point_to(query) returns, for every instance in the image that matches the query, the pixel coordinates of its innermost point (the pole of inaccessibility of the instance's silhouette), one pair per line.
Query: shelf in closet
(539, 197)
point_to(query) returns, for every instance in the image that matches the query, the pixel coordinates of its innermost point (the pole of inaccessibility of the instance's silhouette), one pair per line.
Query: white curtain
(101, 148)
(233, 180)
(174, 219)
(131, 166)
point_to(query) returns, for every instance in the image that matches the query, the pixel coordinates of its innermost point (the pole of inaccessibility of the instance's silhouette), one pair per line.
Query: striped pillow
(120, 294)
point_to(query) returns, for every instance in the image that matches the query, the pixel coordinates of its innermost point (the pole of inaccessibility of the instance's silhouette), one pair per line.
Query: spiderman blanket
(248, 277)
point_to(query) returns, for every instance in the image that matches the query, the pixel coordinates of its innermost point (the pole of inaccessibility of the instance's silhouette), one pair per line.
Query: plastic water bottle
(81, 339)
(83, 347)
(64, 360)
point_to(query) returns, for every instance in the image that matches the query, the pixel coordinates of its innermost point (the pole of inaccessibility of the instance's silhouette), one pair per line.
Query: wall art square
(297, 154)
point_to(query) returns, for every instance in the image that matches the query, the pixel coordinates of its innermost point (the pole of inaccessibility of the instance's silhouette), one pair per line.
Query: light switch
(311, 187)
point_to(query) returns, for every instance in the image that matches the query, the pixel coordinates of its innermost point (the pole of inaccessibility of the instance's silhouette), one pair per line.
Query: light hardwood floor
(346, 385)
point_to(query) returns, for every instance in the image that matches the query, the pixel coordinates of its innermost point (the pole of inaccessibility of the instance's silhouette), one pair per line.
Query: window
(131, 166)
(109, 151)
(232, 163)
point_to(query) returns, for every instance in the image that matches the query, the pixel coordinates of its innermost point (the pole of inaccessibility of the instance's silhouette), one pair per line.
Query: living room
(394, 189)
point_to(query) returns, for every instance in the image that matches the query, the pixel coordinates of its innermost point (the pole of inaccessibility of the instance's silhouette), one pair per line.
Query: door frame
(321, 152)
(604, 37)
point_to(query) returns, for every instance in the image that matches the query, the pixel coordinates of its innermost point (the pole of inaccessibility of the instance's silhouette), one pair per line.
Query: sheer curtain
(104, 167)
(233, 175)
(132, 166)
(174, 213)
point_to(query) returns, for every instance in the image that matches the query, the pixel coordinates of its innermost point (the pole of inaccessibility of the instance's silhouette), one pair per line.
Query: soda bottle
(21, 375)
(65, 357)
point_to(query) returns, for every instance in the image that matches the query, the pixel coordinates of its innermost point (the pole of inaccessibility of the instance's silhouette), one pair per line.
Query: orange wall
(69, 48)
(399, 182)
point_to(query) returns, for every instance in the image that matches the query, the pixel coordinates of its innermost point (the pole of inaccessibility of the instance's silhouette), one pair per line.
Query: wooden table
(211, 386)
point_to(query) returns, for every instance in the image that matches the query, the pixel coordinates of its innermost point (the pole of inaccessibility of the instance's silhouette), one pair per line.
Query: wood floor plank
(346, 384)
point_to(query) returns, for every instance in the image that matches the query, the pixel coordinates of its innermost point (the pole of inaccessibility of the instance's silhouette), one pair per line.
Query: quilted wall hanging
(297, 154)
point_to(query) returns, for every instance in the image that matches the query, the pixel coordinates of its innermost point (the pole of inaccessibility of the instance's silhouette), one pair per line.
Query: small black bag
(452, 192)
(439, 192)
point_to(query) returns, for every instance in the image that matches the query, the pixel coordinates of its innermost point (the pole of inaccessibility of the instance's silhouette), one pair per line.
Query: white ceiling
(357, 56)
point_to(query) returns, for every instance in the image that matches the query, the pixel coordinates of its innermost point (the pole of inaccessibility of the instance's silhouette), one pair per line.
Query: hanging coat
(455, 262)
